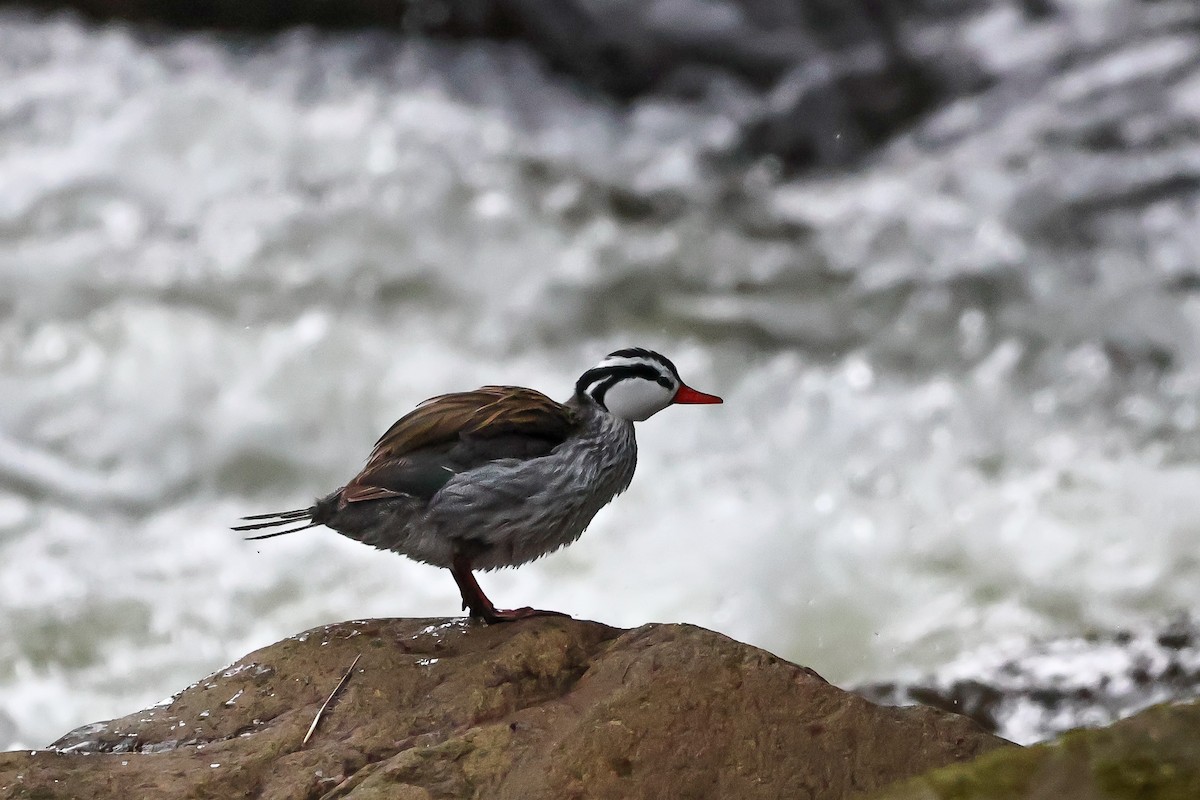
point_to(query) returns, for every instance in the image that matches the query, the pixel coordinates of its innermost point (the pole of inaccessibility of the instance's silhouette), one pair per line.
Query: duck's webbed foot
(479, 606)
(507, 615)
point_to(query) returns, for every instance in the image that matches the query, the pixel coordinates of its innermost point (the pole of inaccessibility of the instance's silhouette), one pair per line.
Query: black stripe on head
(601, 390)
(649, 355)
(611, 376)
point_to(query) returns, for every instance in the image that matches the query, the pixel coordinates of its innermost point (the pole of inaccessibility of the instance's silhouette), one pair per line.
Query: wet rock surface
(546, 707)
(1029, 692)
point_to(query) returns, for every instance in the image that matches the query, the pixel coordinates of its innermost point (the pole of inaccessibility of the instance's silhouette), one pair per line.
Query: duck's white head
(635, 384)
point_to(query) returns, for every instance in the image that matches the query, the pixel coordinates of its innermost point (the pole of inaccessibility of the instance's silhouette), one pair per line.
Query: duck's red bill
(687, 395)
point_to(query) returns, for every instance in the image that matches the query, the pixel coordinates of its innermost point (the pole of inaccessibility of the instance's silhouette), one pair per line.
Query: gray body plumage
(507, 511)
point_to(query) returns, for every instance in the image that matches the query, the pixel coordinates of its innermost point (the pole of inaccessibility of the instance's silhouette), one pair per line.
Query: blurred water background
(959, 358)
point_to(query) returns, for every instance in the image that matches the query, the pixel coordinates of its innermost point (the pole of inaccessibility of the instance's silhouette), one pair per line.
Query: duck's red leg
(477, 603)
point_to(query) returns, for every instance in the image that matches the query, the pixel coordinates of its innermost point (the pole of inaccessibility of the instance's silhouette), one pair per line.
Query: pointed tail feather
(293, 514)
(277, 533)
(278, 519)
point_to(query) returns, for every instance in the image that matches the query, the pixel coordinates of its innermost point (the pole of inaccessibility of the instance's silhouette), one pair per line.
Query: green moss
(1152, 756)
(1144, 777)
(999, 775)
(1155, 756)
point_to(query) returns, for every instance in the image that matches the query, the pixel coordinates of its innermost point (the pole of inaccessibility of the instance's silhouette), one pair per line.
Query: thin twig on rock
(341, 684)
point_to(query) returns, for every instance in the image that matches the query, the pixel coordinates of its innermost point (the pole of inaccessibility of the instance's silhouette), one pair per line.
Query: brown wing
(447, 434)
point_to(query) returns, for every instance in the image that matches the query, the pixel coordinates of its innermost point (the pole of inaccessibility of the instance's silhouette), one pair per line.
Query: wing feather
(453, 432)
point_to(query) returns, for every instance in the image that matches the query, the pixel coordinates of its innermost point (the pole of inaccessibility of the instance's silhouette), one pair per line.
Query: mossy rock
(1154, 755)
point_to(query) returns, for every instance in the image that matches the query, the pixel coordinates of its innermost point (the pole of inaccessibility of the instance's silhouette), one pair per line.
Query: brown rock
(543, 708)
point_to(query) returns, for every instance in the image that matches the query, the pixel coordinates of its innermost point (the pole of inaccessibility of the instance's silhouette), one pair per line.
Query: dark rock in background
(1029, 692)
(835, 78)
(830, 80)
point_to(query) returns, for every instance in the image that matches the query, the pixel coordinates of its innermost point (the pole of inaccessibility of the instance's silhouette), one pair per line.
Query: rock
(1155, 754)
(543, 708)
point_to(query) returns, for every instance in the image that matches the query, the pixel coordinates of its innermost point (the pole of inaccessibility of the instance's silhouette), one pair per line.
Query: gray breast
(511, 511)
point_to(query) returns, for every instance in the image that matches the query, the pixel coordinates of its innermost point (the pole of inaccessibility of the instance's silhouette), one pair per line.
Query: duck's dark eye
(663, 382)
